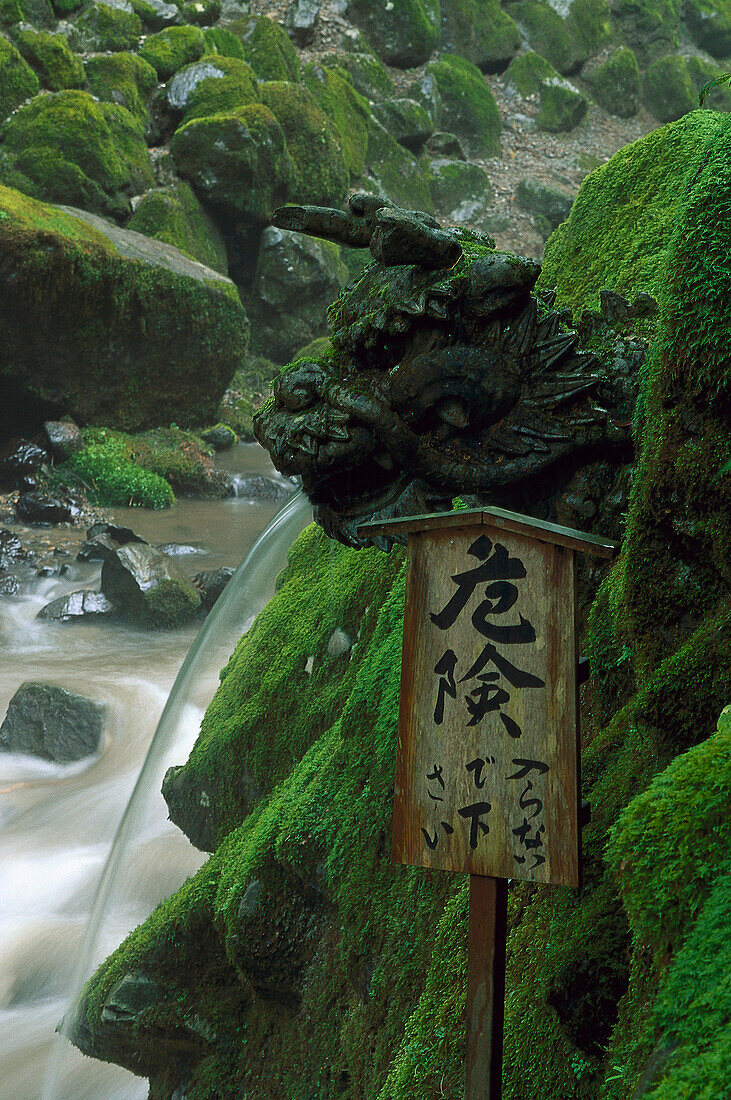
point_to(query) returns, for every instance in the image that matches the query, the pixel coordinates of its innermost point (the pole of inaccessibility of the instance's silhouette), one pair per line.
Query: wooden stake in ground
(487, 770)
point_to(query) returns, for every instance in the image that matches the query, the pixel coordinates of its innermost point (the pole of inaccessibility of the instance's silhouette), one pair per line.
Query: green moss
(348, 111)
(18, 82)
(212, 86)
(454, 182)
(562, 107)
(122, 78)
(69, 148)
(201, 13)
(528, 71)
(174, 215)
(616, 83)
(669, 90)
(321, 176)
(314, 349)
(367, 75)
(700, 72)
(395, 172)
(403, 34)
(172, 48)
(223, 41)
(10, 12)
(239, 160)
(709, 22)
(64, 7)
(648, 26)
(52, 59)
(468, 106)
(481, 32)
(268, 49)
(106, 467)
(101, 27)
(406, 120)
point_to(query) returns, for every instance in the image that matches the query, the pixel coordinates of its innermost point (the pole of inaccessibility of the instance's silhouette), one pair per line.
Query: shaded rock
(8, 586)
(709, 23)
(613, 306)
(563, 106)
(221, 437)
(263, 488)
(156, 14)
(148, 586)
(11, 549)
(616, 83)
(548, 205)
(338, 643)
(669, 89)
(443, 144)
(47, 721)
(461, 191)
(393, 172)
(19, 459)
(468, 107)
(105, 538)
(84, 604)
(406, 120)
(480, 31)
(64, 438)
(42, 508)
(211, 583)
(301, 19)
(402, 34)
(129, 998)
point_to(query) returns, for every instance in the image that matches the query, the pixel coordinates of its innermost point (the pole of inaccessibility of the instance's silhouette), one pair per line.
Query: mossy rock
(548, 205)
(321, 175)
(122, 78)
(222, 40)
(172, 48)
(18, 82)
(237, 161)
(649, 27)
(406, 120)
(159, 336)
(468, 106)
(157, 14)
(672, 87)
(107, 467)
(709, 22)
(67, 147)
(11, 12)
(562, 107)
(403, 34)
(267, 48)
(214, 85)
(106, 27)
(700, 73)
(201, 13)
(348, 111)
(481, 32)
(566, 40)
(50, 56)
(461, 191)
(615, 83)
(65, 7)
(367, 75)
(173, 214)
(395, 173)
(527, 72)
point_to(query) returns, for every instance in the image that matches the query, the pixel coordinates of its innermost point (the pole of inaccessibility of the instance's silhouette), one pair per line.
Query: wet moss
(616, 83)
(112, 477)
(207, 88)
(52, 59)
(172, 48)
(562, 107)
(565, 42)
(267, 48)
(101, 27)
(223, 41)
(122, 78)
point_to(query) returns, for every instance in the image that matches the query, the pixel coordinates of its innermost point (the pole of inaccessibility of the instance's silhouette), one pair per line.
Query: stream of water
(57, 823)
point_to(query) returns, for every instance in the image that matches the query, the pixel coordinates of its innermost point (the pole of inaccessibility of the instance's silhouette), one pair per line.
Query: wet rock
(83, 604)
(613, 306)
(41, 508)
(338, 643)
(64, 438)
(263, 488)
(301, 20)
(211, 583)
(130, 997)
(11, 548)
(220, 437)
(157, 15)
(20, 459)
(180, 549)
(148, 587)
(103, 538)
(402, 34)
(8, 586)
(47, 721)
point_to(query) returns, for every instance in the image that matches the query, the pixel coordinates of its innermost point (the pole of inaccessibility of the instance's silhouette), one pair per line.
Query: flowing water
(57, 822)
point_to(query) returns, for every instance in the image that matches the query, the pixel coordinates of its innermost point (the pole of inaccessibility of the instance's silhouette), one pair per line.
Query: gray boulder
(148, 587)
(301, 19)
(548, 205)
(47, 721)
(83, 604)
(211, 583)
(406, 120)
(64, 438)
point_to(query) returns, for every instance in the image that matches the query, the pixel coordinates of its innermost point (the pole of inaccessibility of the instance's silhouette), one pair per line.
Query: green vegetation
(107, 468)
(69, 148)
(101, 27)
(454, 182)
(563, 106)
(403, 34)
(648, 26)
(710, 25)
(268, 49)
(52, 59)
(18, 82)
(480, 31)
(395, 172)
(216, 85)
(367, 75)
(528, 71)
(172, 48)
(672, 86)
(468, 106)
(616, 83)
(223, 41)
(348, 111)
(122, 78)
(174, 215)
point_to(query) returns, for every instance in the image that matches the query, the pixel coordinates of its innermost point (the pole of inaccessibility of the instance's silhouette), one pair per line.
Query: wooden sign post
(487, 771)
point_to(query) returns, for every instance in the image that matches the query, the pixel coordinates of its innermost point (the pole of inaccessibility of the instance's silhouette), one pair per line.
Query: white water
(57, 822)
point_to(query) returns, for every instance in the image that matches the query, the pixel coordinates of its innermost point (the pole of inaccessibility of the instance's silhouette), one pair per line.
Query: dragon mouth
(359, 490)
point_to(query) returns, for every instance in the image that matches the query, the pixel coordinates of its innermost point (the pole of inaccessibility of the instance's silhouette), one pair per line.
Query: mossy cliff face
(299, 961)
(158, 335)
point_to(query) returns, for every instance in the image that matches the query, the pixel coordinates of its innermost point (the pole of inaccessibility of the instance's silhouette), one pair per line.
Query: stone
(11, 549)
(157, 15)
(42, 508)
(563, 106)
(461, 191)
(339, 643)
(220, 437)
(148, 587)
(63, 437)
(83, 604)
(105, 538)
(131, 996)
(709, 23)
(615, 83)
(47, 721)
(301, 20)
(468, 107)
(406, 120)
(18, 459)
(8, 586)
(669, 91)
(403, 34)
(480, 31)
(180, 549)
(443, 144)
(549, 206)
(263, 488)
(211, 583)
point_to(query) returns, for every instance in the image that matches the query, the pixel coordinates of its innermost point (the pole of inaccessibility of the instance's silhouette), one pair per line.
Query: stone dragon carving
(445, 375)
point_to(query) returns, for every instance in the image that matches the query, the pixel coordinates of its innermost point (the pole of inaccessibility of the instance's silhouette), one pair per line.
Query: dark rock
(406, 120)
(11, 548)
(64, 438)
(220, 437)
(42, 508)
(129, 998)
(77, 605)
(442, 144)
(52, 571)
(301, 19)
(546, 203)
(46, 721)
(614, 307)
(105, 538)
(211, 583)
(263, 488)
(148, 586)
(644, 305)
(19, 459)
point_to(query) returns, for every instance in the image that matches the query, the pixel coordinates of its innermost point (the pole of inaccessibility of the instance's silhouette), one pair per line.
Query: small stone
(250, 901)
(19, 459)
(64, 438)
(129, 998)
(42, 509)
(8, 586)
(220, 437)
(148, 586)
(339, 643)
(47, 721)
(179, 549)
(263, 488)
(442, 144)
(211, 583)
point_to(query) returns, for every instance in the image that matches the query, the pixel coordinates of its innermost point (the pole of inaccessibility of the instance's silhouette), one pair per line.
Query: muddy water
(57, 822)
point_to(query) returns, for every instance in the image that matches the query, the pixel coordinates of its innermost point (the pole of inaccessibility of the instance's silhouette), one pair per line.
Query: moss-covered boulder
(214, 85)
(480, 31)
(158, 335)
(348, 111)
(267, 48)
(709, 22)
(468, 107)
(321, 174)
(403, 34)
(406, 120)
(157, 14)
(68, 147)
(148, 587)
(172, 48)
(394, 173)
(50, 56)
(526, 72)
(367, 75)
(123, 78)
(112, 26)
(202, 13)
(563, 105)
(700, 73)
(649, 27)
(18, 82)
(548, 205)
(224, 41)
(567, 39)
(37, 13)
(173, 214)
(237, 161)
(461, 191)
(615, 83)
(669, 88)
(296, 279)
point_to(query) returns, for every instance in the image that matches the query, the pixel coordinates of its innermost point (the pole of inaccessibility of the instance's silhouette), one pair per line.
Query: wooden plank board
(488, 929)
(487, 769)
(496, 518)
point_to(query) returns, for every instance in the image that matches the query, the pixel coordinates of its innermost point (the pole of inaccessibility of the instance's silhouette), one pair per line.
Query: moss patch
(101, 27)
(122, 78)
(403, 34)
(267, 48)
(468, 106)
(174, 215)
(210, 87)
(616, 83)
(52, 59)
(481, 32)
(348, 111)
(172, 48)
(18, 82)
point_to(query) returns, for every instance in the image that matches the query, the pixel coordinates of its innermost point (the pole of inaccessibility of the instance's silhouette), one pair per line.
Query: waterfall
(114, 914)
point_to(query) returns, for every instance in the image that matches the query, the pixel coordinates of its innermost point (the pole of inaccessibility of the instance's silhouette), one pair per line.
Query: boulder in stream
(42, 508)
(148, 587)
(211, 583)
(47, 721)
(84, 604)
(103, 539)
